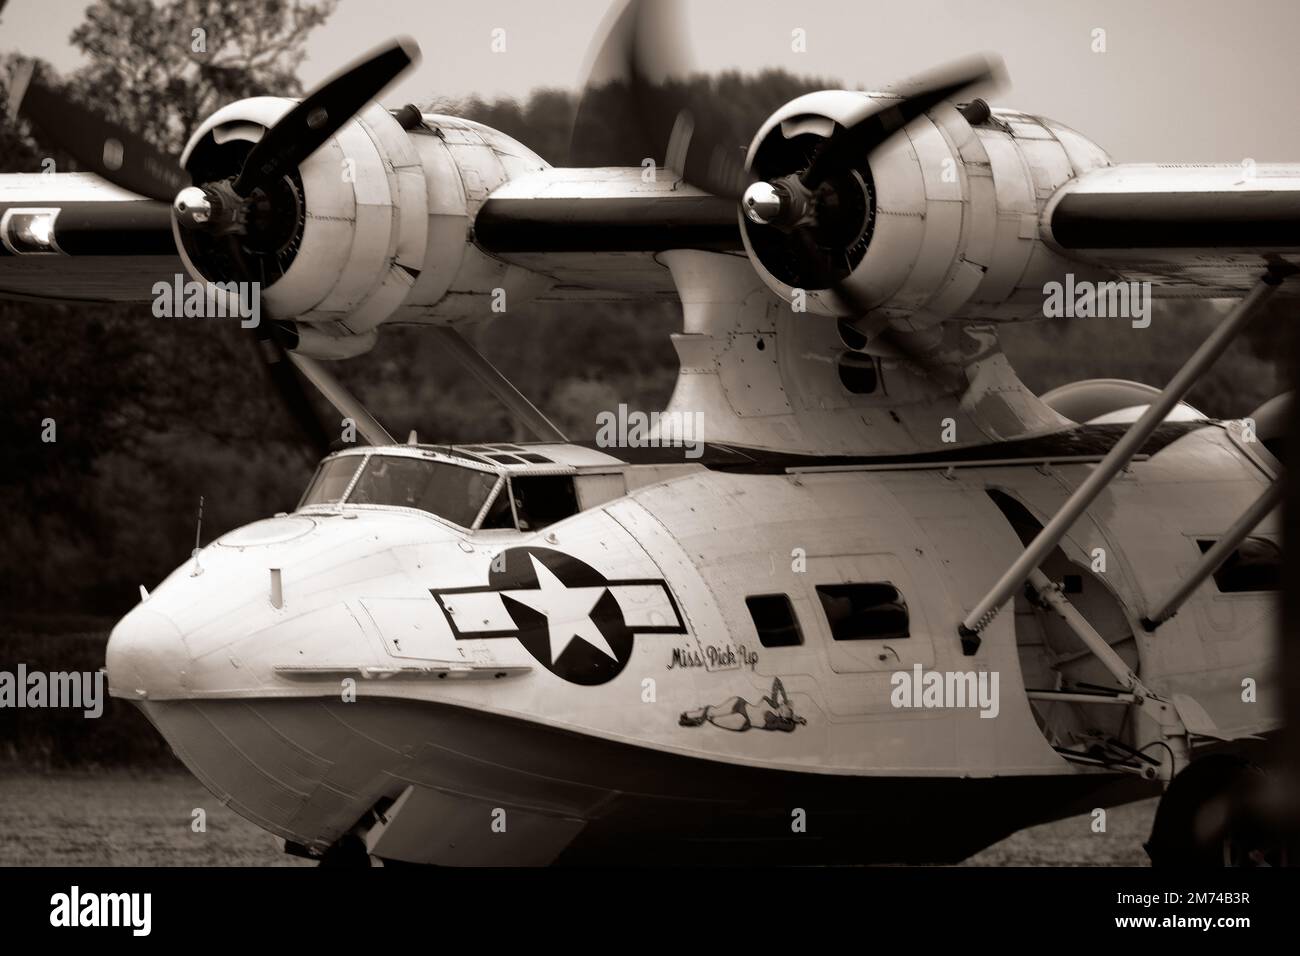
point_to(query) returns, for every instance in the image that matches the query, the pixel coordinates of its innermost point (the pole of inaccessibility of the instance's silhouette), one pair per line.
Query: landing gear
(1212, 815)
(349, 852)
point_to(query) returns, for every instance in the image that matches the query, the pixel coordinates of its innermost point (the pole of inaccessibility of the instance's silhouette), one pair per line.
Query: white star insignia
(568, 611)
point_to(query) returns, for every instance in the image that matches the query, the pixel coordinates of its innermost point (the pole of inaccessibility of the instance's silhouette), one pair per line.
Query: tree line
(150, 414)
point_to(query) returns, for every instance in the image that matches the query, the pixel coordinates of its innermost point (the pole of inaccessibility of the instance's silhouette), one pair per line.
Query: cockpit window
(331, 481)
(446, 490)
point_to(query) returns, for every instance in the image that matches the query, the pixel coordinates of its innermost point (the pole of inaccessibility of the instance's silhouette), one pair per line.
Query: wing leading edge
(1202, 230)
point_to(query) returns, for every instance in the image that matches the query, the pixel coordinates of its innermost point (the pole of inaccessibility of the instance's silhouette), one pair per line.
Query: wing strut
(1054, 597)
(528, 414)
(337, 395)
(374, 433)
(1116, 460)
(1211, 559)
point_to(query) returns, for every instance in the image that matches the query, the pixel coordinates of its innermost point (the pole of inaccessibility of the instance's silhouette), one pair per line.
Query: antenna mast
(198, 531)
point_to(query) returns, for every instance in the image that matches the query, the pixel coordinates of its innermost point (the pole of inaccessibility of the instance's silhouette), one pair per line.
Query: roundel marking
(564, 612)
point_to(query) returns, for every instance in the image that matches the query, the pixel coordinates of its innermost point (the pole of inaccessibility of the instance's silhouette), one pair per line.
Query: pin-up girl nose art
(773, 712)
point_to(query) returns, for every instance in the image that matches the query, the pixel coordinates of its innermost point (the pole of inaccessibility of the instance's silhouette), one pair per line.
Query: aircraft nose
(146, 656)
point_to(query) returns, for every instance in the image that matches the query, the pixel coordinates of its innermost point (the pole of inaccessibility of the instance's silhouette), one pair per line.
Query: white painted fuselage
(602, 681)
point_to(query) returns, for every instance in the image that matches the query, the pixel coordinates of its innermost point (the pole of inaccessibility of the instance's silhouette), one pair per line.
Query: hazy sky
(1182, 80)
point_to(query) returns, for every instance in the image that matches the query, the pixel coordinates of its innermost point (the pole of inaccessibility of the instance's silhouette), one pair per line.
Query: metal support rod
(1068, 698)
(1115, 461)
(528, 414)
(1212, 559)
(1110, 659)
(344, 401)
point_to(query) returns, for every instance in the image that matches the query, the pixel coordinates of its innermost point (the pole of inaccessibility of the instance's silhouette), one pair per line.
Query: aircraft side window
(1256, 565)
(542, 500)
(774, 620)
(864, 612)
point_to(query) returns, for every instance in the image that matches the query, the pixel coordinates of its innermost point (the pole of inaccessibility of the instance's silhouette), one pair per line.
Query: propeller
(817, 206)
(821, 200)
(847, 144)
(271, 339)
(227, 208)
(636, 46)
(101, 146)
(315, 119)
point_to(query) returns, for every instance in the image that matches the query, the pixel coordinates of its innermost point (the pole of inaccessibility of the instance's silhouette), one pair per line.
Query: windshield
(331, 480)
(446, 490)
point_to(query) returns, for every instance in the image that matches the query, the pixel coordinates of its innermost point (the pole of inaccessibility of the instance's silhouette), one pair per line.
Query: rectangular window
(864, 612)
(774, 620)
(1255, 566)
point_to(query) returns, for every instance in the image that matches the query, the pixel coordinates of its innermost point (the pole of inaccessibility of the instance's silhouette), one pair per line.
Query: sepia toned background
(153, 414)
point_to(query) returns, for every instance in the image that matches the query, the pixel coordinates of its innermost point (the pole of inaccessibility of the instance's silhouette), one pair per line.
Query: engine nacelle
(949, 220)
(374, 225)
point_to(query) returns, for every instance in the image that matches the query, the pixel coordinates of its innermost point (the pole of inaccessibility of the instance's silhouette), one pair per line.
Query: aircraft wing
(75, 237)
(612, 209)
(1198, 231)
(602, 228)
(1193, 230)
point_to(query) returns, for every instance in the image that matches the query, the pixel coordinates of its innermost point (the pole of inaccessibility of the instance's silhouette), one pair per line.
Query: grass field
(117, 818)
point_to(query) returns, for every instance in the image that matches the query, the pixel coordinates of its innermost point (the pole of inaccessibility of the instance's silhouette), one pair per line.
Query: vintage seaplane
(890, 607)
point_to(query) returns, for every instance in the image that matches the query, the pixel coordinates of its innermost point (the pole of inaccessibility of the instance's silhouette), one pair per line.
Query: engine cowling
(942, 221)
(374, 225)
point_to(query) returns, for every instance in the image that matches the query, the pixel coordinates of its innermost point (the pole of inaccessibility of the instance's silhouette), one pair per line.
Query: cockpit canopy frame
(486, 488)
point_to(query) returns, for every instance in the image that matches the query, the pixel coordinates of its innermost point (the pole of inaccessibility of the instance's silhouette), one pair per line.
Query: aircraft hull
(492, 790)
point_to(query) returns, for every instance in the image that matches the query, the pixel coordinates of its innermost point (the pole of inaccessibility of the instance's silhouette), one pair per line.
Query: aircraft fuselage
(636, 657)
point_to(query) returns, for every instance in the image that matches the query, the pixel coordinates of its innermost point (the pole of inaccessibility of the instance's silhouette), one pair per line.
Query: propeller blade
(285, 378)
(288, 384)
(305, 128)
(662, 119)
(845, 146)
(100, 146)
